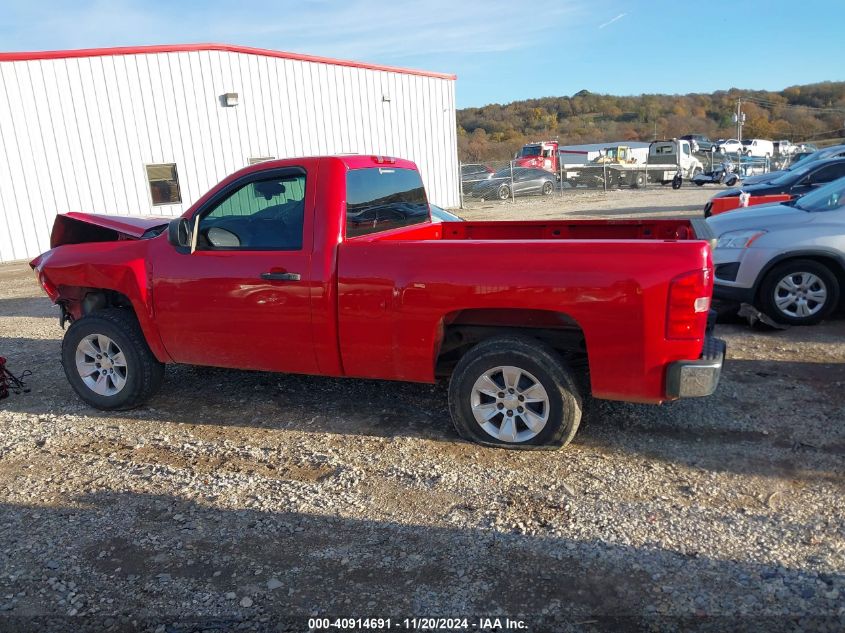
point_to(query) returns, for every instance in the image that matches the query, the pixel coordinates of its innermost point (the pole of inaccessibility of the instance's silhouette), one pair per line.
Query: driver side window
(266, 214)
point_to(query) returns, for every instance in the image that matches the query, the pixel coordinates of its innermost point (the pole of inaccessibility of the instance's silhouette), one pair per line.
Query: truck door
(242, 298)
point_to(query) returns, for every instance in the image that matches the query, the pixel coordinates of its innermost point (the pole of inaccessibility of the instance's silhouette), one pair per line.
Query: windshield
(802, 160)
(827, 198)
(747, 142)
(530, 150)
(792, 176)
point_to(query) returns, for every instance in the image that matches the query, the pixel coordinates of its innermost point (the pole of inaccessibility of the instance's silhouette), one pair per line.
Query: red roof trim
(186, 48)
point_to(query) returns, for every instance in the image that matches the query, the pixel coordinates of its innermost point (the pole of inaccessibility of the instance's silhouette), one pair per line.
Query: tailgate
(703, 231)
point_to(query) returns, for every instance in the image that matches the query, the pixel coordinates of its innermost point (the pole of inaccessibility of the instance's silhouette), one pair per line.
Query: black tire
(504, 192)
(144, 373)
(638, 181)
(794, 267)
(677, 182)
(541, 363)
(548, 188)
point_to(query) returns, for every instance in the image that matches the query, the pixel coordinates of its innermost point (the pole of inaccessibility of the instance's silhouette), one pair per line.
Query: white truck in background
(667, 161)
(758, 147)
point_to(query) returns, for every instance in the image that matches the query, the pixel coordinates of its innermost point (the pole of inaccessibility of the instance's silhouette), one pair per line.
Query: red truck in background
(332, 266)
(539, 155)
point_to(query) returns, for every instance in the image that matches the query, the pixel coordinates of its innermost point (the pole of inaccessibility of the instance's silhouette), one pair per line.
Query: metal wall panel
(76, 133)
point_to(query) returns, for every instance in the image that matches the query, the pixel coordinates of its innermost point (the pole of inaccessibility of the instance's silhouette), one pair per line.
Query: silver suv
(788, 260)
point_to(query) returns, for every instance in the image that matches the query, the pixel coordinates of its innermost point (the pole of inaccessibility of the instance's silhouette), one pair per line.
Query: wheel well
(834, 264)
(465, 329)
(93, 299)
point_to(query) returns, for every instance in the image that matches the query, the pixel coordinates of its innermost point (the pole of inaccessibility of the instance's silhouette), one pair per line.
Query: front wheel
(799, 292)
(107, 361)
(514, 392)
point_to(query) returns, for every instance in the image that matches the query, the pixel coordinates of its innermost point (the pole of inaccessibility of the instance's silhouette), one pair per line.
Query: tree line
(799, 113)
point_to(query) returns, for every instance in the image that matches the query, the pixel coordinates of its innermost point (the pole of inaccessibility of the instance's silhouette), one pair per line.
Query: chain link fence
(635, 166)
(570, 171)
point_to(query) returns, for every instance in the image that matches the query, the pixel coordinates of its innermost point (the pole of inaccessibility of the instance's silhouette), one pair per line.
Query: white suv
(788, 259)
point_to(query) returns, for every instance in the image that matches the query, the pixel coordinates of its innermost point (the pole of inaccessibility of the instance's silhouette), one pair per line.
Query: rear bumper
(696, 378)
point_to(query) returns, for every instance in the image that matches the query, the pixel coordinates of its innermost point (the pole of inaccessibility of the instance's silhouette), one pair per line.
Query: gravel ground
(244, 500)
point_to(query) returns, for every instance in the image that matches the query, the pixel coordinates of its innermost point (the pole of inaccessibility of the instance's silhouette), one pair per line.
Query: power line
(776, 104)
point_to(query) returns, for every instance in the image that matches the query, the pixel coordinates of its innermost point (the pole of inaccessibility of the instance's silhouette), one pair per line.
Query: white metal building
(148, 130)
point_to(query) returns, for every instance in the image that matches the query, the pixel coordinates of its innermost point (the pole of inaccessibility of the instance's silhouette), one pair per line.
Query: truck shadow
(755, 424)
(139, 556)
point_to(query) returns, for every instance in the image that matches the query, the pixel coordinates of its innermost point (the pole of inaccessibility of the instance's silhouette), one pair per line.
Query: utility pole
(739, 119)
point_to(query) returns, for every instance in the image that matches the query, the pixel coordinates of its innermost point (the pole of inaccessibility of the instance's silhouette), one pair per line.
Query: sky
(501, 50)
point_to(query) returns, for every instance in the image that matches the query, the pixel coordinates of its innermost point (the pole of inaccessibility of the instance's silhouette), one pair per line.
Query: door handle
(281, 276)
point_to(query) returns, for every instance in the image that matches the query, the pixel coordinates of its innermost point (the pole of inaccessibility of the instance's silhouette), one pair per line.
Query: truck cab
(538, 155)
(677, 152)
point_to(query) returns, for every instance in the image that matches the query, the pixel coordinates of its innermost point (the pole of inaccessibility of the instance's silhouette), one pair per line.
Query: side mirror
(179, 232)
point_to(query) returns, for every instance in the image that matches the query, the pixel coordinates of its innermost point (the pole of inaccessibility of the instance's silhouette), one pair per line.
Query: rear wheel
(504, 192)
(514, 392)
(548, 187)
(799, 292)
(107, 361)
(638, 181)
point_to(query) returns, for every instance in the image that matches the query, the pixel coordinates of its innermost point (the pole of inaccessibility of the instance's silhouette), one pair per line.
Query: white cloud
(611, 21)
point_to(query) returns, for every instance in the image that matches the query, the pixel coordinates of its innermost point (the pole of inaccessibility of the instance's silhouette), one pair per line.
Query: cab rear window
(383, 198)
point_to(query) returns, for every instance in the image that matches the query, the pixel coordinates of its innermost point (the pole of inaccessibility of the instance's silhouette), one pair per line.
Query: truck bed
(664, 229)
(607, 278)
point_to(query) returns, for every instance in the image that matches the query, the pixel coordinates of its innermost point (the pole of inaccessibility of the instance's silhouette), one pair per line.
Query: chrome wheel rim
(101, 364)
(504, 193)
(800, 294)
(547, 188)
(510, 404)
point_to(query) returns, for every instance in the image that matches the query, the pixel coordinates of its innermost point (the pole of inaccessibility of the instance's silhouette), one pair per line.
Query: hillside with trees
(807, 113)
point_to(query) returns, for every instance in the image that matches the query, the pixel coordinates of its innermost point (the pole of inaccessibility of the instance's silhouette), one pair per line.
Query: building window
(260, 159)
(164, 184)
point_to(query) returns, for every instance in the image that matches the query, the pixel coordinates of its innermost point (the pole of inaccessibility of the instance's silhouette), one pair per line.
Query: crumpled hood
(76, 228)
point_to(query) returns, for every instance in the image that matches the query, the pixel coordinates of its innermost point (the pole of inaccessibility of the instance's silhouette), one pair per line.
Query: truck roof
(351, 161)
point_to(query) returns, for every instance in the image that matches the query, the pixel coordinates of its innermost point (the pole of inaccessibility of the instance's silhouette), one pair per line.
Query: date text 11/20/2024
(416, 624)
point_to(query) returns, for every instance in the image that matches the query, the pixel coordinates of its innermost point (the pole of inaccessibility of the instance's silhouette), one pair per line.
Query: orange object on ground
(720, 205)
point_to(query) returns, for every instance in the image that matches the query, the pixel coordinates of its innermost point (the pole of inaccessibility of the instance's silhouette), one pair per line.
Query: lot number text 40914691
(412, 624)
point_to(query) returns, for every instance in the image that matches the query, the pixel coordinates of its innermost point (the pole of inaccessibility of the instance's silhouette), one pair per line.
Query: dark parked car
(799, 162)
(796, 183)
(471, 173)
(699, 141)
(525, 181)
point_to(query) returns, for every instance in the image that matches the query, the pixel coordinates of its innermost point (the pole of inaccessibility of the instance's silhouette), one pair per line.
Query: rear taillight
(689, 302)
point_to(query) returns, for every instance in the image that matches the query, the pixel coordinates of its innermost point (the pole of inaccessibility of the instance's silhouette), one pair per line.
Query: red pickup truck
(332, 266)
